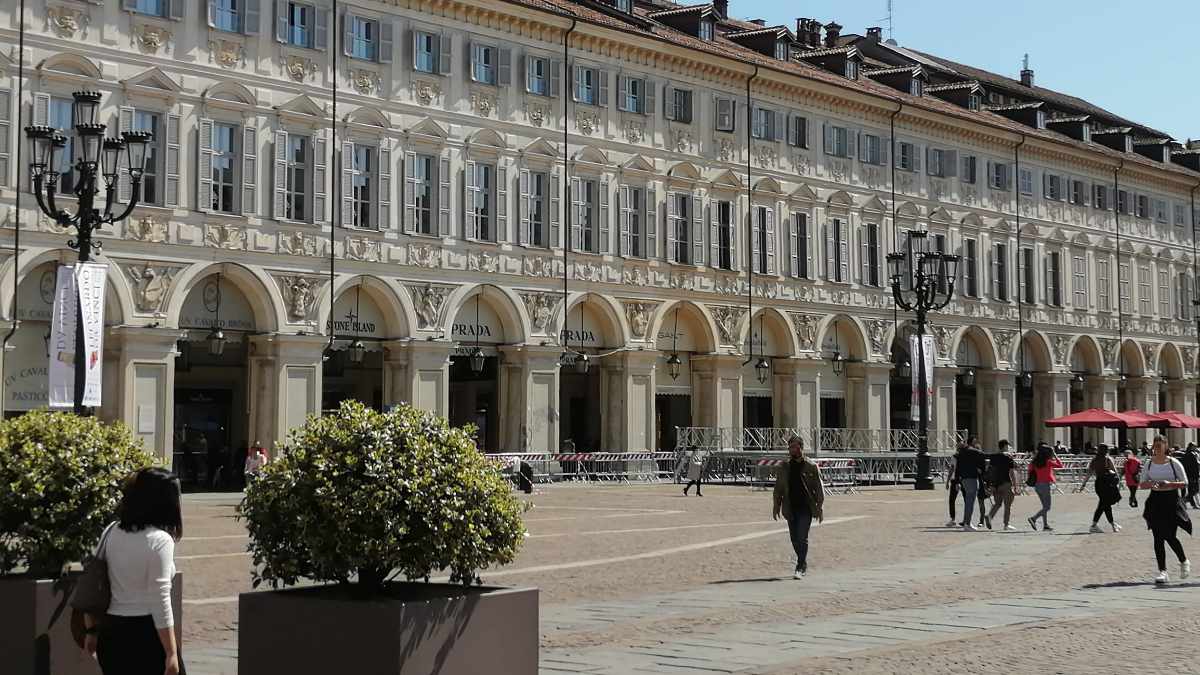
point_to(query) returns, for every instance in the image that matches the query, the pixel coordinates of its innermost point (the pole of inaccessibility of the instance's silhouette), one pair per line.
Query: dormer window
(624, 6)
(706, 31)
(1041, 119)
(974, 102)
(851, 69)
(782, 51)
(917, 87)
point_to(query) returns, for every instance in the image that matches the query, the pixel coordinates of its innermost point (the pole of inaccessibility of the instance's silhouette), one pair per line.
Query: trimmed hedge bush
(362, 496)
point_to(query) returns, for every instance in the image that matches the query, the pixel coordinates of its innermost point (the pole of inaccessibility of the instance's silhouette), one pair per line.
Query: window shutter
(949, 163)
(862, 152)
(445, 46)
(555, 208)
(605, 228)
(555, 77)
(279, 175)
(1008, 178)
(622, 92)
(651, 201)
(671, 225)
(171, 161)
(504, 67)
(623, 210)
(577, 206)
(916, 155)
(320, 176)
(928, 161)
(792, 136)
(347, 167)
(250, 17)
(994, 264)
(281, 21)
(523, 234)
(602, 88)
(864, 259)
(772, 242)
(780, 131)
(806, 235)
(443, 196)
(410, 192)
(41, 109)
(472, 59)
(697, 229)
(830, 269)
(347, 33)
(849, 142)
(1046, 280)
(176, 10)
(794, 245)
(204, 162)
(714, 233)
(250, 168)
(883, 152)
(470, 217)
(528, 62)
(577, 75)
(212, 13)
(828, 133)
(384, 54)
(501, 233)
(843, 251)
(320, 29)
(669, 101)
(124, 184)
(385, 185)
(649, 102)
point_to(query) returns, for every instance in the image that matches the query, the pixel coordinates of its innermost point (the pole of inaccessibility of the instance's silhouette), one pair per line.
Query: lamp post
(96, 157)
(922, 281)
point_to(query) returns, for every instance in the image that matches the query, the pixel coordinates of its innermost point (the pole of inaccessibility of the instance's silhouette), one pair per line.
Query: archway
(1087, 390)
(975, 359)
(586, 412)
(485, 320)
(683, 331)
(767, 338)
(1035, 391)
(360, 325)
(901, 381)
(843, 393)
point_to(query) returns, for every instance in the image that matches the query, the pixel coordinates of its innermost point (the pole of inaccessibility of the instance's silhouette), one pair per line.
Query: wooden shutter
(651, 223)
(577, 206)
(124, 184)
(670, 253)
(755, 246)
(502, 201)
(779, 132)
(794, 245)
(171, 161)
(211, 13)
(649, 96)
(281, 21)
(384, 53)
(623, 211)
(250, 17)
(320, 29)
(204, 160)
(577, 78)
(697, 229)
(528, 63)
(605, 229)
(916, 155)
(384, 198)
(555, 189)
(320, 176)
(445, 47)
(714, 233)
(602, 88)
(250, 168)
(864, 258)
(443, 201)
(279, 175)
(830, 261)
(843, 244)
(175, 11)
(994, 264)
(622, 92)
(949, 163)
(347, 34)
(828, 134)
(772, 242)
(410, 192)
(555, 77)
(734, 232)
(523, 209)
(504, 67)
(347, 168)
(472, 60)
(669, 111)
(470, 189)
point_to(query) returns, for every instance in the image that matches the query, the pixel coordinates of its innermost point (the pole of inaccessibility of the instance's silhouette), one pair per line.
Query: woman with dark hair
(137, 636)
(1045, 461)
(1165, 512)
(1108, 491)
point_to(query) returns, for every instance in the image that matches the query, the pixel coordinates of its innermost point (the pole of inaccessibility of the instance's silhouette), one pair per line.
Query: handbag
(92, 591)
(1031, 477)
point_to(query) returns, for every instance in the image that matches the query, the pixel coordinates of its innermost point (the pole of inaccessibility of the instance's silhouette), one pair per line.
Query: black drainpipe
(1120, 308)
(750, 217)
(566, 178)
(1020, 296)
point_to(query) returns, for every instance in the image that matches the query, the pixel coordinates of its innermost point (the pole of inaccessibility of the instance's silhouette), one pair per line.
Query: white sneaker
(1116, 527)
(1185, 569)
(1010, 528)
(1162, 578)
(798, 575)
(951, 524)
(970, 528)
(1096, 529)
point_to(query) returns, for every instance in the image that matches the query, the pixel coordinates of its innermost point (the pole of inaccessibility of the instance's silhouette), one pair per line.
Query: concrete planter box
(418, 629)
(34, 641)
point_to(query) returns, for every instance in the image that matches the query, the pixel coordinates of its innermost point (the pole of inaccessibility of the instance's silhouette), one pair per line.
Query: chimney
(721, 7)
(814, 33)
(832, 32)
(759, 22)
(875, 34)
(1191, 145)
(1026, 73)
(801, 29)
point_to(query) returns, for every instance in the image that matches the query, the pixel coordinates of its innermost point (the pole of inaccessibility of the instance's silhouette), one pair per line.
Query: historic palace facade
(728, 190)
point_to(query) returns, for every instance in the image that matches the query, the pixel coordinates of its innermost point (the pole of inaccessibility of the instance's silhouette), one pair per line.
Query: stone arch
(394, 305)
(118, 295)
(780, 334)
(600, 313)
(72, 63)
(981, 341)
(369, 116)
(1170, 362)
(1085, 356)
(695, 314)
(228, 90)
(503, 302)
(264, 297)
(1033, 353)
(1130, 361)
(849, 333)
(685, 170)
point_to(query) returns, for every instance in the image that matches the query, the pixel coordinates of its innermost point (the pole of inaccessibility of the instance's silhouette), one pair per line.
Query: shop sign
(355, 314)
(470, 327)
(212, 303)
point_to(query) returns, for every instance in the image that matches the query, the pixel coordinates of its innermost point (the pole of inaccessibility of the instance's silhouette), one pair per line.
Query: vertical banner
(914, 354)
(79, 292)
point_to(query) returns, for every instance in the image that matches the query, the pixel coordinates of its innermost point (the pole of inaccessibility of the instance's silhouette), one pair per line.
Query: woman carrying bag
(1165, 512)
(1108, 491)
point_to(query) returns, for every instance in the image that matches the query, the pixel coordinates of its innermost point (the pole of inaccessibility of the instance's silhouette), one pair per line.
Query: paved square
(639, 579)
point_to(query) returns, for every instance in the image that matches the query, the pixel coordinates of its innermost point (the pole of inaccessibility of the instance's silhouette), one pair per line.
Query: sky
(1135, 59)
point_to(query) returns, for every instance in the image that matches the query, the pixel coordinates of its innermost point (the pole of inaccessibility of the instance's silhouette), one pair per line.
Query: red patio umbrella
(1105, 419)
(1146, 420)
(1184, 421)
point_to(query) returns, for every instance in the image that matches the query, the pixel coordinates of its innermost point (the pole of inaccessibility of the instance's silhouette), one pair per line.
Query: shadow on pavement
(1139, 584)
(746, 581)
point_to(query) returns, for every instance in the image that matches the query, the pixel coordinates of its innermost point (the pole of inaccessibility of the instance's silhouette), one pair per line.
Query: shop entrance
(354, 369)
(756, 412)
(670, 411)
(579, 408)
(473, 399)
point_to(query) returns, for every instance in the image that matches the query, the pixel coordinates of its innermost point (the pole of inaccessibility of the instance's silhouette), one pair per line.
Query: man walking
(799, 495)
(970, 467)
(1191, 466)
(1003, 476)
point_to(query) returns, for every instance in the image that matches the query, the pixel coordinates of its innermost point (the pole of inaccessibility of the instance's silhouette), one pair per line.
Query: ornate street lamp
(1077, 382)
(968, 377)
(922, 281)
(357, 349)
(216, 338)
(763, 369)
(476, 359)
(674, 362)
(96, 160)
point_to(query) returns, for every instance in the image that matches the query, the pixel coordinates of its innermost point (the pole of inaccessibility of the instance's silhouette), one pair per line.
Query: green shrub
(60, 482)
(367, 494)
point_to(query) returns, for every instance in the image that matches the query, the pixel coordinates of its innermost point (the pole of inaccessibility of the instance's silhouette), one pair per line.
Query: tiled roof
(1113, 130)
(1068, 118)
(1146, 140)
(826, 51)
(733, 35)
(1032, 105)
(897, 70)
(953, 86)
(678, 11)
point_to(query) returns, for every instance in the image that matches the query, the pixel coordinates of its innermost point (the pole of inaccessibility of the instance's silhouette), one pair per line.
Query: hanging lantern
(904, 369)
(673, 364)
(1026, 380)
(216, 342)
(968, 377)
(839, 363)
(477, 360)
(581, 364)
(1077, 382)
(357, 350)
(762, 368)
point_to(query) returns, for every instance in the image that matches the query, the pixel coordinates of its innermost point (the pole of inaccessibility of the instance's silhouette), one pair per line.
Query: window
(802, 256)
(725, 235)
(1000, 272)
(837, 141)
(634, 95)
(62, 117)
(1164, 294)
(633, 221)
(226, 15)
(1054, 279)
(296, 178)
(1180, 215)
(1100, 197)
(764, 124)
(974, 102)
(782, 50)
(706, 31)
(364, 36)
(1078, 193)
(868, 251)
(151, 7)
(970, 263)
(726, 114)
(362, 186)
(1123, 287)
(837, 253)
(300, 24)
(679, 215)
(1145, 305)
(624, 6)
(224, 167)
(968, 174)
(425, 51)
(1160, 210)
(679, 105)
(591, 86)
(1053, 186)
(941, 163)
(152, 178)
(481, 201)
(999, 176)
(1183, 296)
(871, 151)
(1123, 205)
(588, 229)
(423, 181)
(1079, 281)
(916, 87)
(798, 131)
(1026, 184)
(1103, 285)
(538, 191)
(483, 63)
(1027, 275)
(537, 75)
(763, 228)
(906, 156)
(1143, 206)
(851, 69)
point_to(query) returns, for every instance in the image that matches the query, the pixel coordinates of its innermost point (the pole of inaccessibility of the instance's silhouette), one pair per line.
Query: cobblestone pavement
(639, 579)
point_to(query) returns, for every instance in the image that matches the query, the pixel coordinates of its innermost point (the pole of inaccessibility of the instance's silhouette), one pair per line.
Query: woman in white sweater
(137, 636)
(1164, 476)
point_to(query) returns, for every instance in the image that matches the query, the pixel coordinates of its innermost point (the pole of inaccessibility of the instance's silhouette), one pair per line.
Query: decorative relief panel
(877, 332)
(297, 243)
(483, 103)
(586, 123)
(146, 229)
(149, 38)
(941, 340)
(299, 295)
(426, 91)
(229, 237)
(1062, 346)
(540, 306)
(806, 329)
(428, 300)
(1108, 347)
(724, 149)
(727, 318)
(536, 114)
(635, 132)
(364, 249)
(638, 314)
(365, 81)
(1004, 343)
(150, 284)
(1189, 359)
(1150, 353)
(424, 255)
(67, 21)
(482, 261)
(683, 140)
(537, 266)
(634, 276)
(766, 156)
(226, 53)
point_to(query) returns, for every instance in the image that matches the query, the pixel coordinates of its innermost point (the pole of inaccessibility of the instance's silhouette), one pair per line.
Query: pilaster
(945, 406)
(717, 387)
(530, 384)
(629, 401)
(286, 382)
(142, 391)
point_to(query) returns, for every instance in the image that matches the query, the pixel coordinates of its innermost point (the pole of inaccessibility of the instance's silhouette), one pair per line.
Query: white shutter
(347, 33)
(994, 264)
(444, 196)
(528, 62)
(734, 232)
(772, 242)
(864, 257)
(649, 101)
(250, 17)
(175, 11)
(602, 88)
(604, 229)
(171, 161)
(470, 190)
(410, 192)
(622, 91)
(651, 223)
(384, 54)
(445, 53)
(697, 229)
(212, 13)
(124, 184)
(577, 73)
(623, 213)
(808, 235)
(384, 198)
(6, 137)
(320, 28)
(830, 261)
(555, 77)
(794, 245)
(504, 67)
(755, 247)
(279, 176)
(555, 208)
(670, 253)
(950, 163)
(714, 233)
(916, 155)
(281, 21)
(843, 251)
(780, 130)
(472, 60)
(347, 185)
(668, 101)
(204, 161)
(523, 209)
(320, 177)
(577, 215)
(250, 168)
(502, 201)
(41, 109)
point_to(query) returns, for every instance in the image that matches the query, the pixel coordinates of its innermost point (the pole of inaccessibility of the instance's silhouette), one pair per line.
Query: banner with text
(79, 291)
(915, 354)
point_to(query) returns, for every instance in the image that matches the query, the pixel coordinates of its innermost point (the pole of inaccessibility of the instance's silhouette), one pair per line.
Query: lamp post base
(924, 480)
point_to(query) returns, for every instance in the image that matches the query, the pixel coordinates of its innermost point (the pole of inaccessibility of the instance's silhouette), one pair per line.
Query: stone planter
(417, 629)
(35, 628)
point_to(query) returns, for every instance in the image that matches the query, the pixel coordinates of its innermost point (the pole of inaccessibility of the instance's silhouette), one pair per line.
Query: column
(717, 393)
(397, 387)
(869, 396)
(1106, 397)
(286, 381)
(786, 393)
(945, 408)
(629, 405)
(427, 375)
(1052, 398)
(142, 391)
(995, 401)
(530, 396)
(1141, 394)
(1181, 398)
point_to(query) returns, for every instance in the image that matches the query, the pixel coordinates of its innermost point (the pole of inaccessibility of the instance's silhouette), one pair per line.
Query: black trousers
(690, 483)
(129, 645)
(954, 487)
(1104, 509)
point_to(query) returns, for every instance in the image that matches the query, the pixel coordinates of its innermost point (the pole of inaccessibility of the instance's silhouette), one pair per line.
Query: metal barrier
(816, 439)
(593, 466)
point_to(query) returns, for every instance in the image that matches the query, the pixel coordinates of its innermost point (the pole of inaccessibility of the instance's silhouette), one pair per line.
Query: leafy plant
(60, 482)
(366, 495)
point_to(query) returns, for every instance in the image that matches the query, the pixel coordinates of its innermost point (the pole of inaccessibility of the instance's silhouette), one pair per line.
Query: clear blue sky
(1137, 59)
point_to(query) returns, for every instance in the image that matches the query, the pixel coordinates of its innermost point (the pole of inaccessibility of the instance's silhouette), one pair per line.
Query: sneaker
(1033, 523)
(987, 521)
(1010, 528)
(1096, 529)
(798, 575)
(1162, 577)
(1047, 528)
(970, 528)
(951, 524)
(1116, 527)
(1185, 569)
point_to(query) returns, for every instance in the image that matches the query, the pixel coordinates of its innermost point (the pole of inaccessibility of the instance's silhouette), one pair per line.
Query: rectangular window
(725, 235)
(483, 63)
(1183, 296)
(1027, 275)
(152, 185)
(635, 211)
(62, 117)
(632, 95)
(1079, 281)
(762, 243)
(362, 186)
(851, 69)
(869, 250)
(974, 101)
(1078, 194)
(906, 154)
(1123, 286)
(782, 51)
(802, 253)
(225, 160)
(872, 149)
(970, 264)
(1145, 306)
(1164, 294)
(364, 36)
(1180, 215)
(936, 162)
(425, 52)
(227, 15)
(1100, 197)
(1026, 182)
(150, 7)
(1160, 210)
(764, 124)
(999, 176)
(837, 141)
(679, 106)
(1054, 188)
(1054, 279)
(681, 219)
(295, 204)
(624, 6)
(300, 24)
(537, 75)
(726, 114)
(706, 31)
(424, 186)
(968, 169)
(1143, 206)
(586, 85)
(1000, 272)
(482, 193)
(1123, 205)
(798, 131)
(1103, 285)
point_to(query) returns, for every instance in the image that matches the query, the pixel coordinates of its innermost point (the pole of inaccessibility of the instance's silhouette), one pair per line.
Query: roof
(769, 30)
(1143, 140)
(1032, 105)
(911, 70)
(1063, 119)
(827, 51)
(1113, 130)
(679, 11)
(952, 86)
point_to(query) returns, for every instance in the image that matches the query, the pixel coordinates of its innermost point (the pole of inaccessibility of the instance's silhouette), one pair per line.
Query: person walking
(970, 466)
(953, 483)
(800, 496)
(1108, 491)
(1133, 469)
(695, 472)
(1190, 458)
(1002, 472)
(255, 461)
(137, 636)
(1165, 513)
(1045, 461)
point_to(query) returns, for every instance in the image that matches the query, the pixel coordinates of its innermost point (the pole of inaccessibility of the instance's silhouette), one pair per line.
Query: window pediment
(804, 193)
(941, 215)
(369, 116)
(301, 109)
(728, 180)
(908, 210)
(488, 138)
(152, 82)
(972, 220)
(768, 185)
(874, 204)
(638, 163)
(540, 148)
(685, 171)
(70, 67)
(230, 95)
(590, 155)
(430, 129)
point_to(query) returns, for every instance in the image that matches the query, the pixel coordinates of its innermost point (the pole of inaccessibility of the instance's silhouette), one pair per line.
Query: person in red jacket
(1133, 468)
(1043, 466)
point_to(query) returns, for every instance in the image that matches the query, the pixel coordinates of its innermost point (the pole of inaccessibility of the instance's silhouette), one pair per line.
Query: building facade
(724, 191)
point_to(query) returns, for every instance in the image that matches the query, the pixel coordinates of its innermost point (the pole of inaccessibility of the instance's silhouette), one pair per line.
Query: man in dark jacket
(1191, 466)
(800, 496)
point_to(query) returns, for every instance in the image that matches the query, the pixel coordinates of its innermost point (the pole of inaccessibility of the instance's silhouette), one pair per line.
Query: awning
(1107, 419)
